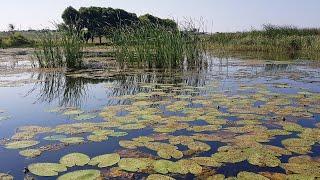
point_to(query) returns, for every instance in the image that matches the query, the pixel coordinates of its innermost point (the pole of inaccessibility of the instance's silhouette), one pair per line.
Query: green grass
(15, 40)
(284, 39)
(64, 49)
(155, 46)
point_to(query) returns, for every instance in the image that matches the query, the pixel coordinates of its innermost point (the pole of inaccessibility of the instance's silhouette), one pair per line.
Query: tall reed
(59, 49)
(155, 46)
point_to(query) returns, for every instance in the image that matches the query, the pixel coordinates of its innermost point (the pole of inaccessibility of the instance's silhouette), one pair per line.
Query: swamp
(151, 100)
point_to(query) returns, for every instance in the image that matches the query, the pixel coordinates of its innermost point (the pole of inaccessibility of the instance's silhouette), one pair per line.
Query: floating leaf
(21, 144)
(130, 144)
(72, 140)
(169, 152)
(31, 153)
(46, 169)
(199, 146)
(163, 166)
(249, 176)
(74, 159)
(89, 174)
(83, 117)
(55, 137)
(118, 134)
(97, 138)
(206, 161)
(73, 112)
(134, 164)
(158, 177)
(105, 160)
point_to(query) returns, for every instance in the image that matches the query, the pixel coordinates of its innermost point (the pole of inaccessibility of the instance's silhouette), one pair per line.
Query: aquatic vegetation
(89, 174)
(30, 153)
(169, 153)
(21, 144)
(249, 175)
(83, 117)
(159, 176)
(74, 159)
(303, 165)
(206, 161)
(297, 145)
(134, 164)
(105, 160)
(54, 137)
(5, 176)
(72, 140)
(73, 112)
(46, 169)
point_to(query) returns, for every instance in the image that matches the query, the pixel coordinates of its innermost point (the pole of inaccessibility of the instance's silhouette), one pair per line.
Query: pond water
(232, 118)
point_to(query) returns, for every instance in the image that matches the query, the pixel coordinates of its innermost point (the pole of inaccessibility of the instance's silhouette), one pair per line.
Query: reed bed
(59, 49)
(155, 46)
(270, 39)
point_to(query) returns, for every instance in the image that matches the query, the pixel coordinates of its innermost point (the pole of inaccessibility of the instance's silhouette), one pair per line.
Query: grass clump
(59, 49)
(151, 45)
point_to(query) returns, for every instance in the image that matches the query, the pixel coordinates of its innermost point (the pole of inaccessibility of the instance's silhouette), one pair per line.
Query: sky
(214, 15)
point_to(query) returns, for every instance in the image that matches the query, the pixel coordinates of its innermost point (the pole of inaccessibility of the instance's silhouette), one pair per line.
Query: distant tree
(72, 20)
(167, 23)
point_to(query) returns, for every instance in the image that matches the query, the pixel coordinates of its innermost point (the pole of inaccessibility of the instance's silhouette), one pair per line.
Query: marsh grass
(287, 39)
(59, 49)
(155, 46)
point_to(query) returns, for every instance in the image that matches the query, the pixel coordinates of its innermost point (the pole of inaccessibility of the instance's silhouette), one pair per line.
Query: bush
(15, 40)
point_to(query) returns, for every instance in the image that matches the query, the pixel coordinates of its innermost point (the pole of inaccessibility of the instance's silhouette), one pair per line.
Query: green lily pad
(249, 176)
(133, 164)
(118, 134)
(83, 117)
(297, 145)
(168, 153)
(4, 176)
(73, 112)
(30, 153)
(130, 144)
(72, 140)
(216, 177)
(105, 160)
(46, 169)
(97, 138)
(89, 174)
(55, 137)
(199, 146)
(74, 159)
(163, 166)
(206, 161)
(21, 144)
(158, 177)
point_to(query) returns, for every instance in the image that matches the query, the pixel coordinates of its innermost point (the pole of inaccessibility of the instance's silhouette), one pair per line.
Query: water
(231, 86)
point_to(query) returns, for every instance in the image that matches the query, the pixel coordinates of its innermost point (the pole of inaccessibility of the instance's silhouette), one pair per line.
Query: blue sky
(218, 15)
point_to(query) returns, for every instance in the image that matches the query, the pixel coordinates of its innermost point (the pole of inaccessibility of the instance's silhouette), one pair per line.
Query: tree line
(91, 22)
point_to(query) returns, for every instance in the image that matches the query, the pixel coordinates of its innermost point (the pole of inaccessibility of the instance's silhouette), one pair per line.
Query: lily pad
(249, 176)
(163, 166)
(54, 137)
(158, 177)
(207, 161)
(89, 174)
(74, 159)
(168, 153)
(105, 160)
(30, 153)
(83, 117)
(118, 134)
(73, 112)
(133, 164)
(72, 140)
(21, 144)
(46, 169)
